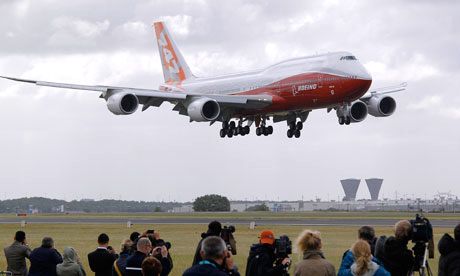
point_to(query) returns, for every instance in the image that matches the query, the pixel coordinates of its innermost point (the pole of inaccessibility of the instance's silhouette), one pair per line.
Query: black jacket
(134, 263)
(397, 259)
(197, 258)
(101, 262)
(208, 268)
(260, 261)
(449, 261)
(43, 261)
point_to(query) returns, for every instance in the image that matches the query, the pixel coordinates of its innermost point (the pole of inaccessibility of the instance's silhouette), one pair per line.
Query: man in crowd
(144, 249)
(217, 260)
(17, 253)
(119, 266)
(366, 233)
(397, 258)
(262, 259)
(43, 260)
(101, 260)
(214, 229)
(449, 262)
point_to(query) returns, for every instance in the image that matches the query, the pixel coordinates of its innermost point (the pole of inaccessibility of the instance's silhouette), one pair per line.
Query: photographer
(157, 242)
(17, 253)
(449, 262)
(144, 248)
(397, 258)
(214, 229)
(309, 244)
(43, 260)
(217, 260)
(262, 260)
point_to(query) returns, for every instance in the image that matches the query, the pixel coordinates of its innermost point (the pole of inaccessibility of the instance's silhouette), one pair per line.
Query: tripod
(421, 264)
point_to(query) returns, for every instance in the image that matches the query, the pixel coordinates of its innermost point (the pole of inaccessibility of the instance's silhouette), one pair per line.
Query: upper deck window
(348, 58)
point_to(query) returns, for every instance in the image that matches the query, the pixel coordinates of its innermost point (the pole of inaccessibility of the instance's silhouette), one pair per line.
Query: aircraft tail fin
(175, 69)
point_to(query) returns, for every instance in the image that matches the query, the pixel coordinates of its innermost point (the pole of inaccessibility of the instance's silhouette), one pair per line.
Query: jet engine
(122, 103)
(356, 112)
(203, 109)
(381, 106)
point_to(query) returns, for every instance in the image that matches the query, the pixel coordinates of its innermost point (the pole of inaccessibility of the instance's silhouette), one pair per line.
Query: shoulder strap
(117, 269)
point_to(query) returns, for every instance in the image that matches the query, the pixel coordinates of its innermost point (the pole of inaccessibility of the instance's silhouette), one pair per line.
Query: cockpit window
(348, 58)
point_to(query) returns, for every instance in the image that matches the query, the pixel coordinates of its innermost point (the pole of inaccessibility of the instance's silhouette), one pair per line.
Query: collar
(209, 262)
(101, 247)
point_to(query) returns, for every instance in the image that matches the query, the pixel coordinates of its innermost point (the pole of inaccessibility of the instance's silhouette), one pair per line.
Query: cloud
(79, 27)
(179, 24)
(437, 105)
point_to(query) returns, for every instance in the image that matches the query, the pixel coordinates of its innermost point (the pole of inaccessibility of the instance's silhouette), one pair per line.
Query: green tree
(211, 203)
(258, 208)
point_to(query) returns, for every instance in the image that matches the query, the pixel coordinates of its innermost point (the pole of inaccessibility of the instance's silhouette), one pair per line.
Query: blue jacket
(43, 261)
(208, 268)
(347, 261)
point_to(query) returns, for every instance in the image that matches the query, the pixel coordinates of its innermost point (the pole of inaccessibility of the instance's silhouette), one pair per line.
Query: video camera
(283, 247)
(422, 236)
(422, 230)
(227, 235)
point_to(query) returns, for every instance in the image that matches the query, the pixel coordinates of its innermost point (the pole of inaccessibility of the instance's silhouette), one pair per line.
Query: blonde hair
(308, 240)
(362, 252)
(403, 229)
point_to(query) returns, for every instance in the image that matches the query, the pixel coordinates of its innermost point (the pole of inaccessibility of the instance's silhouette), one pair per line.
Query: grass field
(185, 237)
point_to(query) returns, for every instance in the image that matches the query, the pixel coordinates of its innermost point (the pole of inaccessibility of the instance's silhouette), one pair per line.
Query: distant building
(374, 185)
(350, 187)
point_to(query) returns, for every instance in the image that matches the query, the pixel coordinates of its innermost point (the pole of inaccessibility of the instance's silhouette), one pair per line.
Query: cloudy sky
(66, 144)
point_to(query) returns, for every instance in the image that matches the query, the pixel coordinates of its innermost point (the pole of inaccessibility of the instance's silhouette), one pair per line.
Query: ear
(202, 254)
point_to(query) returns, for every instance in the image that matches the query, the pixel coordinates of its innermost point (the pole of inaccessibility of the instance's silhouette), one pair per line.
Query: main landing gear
(294, 129)
(344, 120)
(263, 129)
(231, 129)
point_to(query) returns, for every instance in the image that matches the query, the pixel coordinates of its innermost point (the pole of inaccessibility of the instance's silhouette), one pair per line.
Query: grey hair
(47, 242)
(213, 247)
(142, 242)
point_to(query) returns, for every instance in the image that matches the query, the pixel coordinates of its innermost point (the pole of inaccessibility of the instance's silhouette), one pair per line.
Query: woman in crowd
(71, 265)
(363, 264)
(313, 263)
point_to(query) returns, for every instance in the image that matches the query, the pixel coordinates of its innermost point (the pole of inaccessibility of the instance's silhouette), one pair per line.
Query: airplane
(286, 91)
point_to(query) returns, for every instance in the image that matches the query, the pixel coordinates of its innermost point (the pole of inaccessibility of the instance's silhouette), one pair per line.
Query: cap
(267, 237)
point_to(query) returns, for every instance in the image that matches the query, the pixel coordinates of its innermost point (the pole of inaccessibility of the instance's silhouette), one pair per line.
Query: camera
(161, 242)
(422, 237)
(227, 235)
(283, 247)
(422, 230)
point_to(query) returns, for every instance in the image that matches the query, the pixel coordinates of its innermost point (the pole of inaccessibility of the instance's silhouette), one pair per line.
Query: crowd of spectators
(148, 255)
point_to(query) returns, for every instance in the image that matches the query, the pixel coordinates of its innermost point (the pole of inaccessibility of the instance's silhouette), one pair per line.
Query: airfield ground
(71, 230)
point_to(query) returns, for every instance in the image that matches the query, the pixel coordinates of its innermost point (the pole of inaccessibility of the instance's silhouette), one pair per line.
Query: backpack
(253, 260)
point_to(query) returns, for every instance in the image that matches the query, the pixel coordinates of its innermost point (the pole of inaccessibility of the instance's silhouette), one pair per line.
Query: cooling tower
(350, 187)
(374, 185)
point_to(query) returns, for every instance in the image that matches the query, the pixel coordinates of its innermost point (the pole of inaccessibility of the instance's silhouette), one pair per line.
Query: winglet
(17, 79)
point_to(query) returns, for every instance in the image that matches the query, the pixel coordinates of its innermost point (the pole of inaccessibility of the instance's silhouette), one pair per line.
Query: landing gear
(294, 129)
(263, 129)
(344, 120)
(230, 129)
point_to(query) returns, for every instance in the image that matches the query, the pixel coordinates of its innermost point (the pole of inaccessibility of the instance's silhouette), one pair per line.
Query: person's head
(47, 242)
(309, 240)
(267, 237)
(403, 230)
(69, 255)
(457, 232)
(144, 245)
(213, 248)
(103, 239)
(134, 236)
(214, 228)
(20, 236)
(151, 266)
(366, 233)
(362, 252)
(126, 245)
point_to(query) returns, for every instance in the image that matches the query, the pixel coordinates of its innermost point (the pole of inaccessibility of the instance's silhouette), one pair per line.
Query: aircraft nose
(364, 74)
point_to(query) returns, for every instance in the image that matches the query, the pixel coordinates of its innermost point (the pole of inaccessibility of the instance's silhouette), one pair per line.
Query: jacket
(134, 263)
(70, 265)
(260, 262)
(374, 270)
(197, 257)
(101, 261)
(43, 261)
(449, 261)
(314, 264)
(119, 266)
(347, 261)
(397, 259)
(16, 255)
(208, 268)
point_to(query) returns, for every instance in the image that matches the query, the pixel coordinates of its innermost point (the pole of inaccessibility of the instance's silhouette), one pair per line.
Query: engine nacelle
(357, 111)
(203, 109)
(381, 106)
(122, 103)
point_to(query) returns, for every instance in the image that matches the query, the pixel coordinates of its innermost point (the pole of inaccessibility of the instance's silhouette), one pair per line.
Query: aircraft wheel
(258, 131)
(222, 133)
(292, 125)
(341, 120)
(270, 130)
(246, 129)
(289, 133)
(299, 126)
(297, 133)
(347, 120)
(230, 134)
(232, 124)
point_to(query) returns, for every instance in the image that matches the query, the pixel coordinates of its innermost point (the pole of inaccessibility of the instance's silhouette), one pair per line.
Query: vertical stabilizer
(175, 69)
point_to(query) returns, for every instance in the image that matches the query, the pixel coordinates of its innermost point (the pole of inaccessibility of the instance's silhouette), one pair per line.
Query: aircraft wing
(150, 97)
(384, 90)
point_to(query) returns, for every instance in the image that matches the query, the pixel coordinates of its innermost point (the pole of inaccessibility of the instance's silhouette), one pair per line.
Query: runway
(449, 223)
